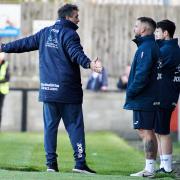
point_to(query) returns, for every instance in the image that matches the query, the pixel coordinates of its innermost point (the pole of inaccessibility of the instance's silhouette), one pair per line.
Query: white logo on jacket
(52, 42)
(159, 76)
(156, 103)
(49, 86)
(55, 30)
(142, 54)
(177, 69)
(176, 79)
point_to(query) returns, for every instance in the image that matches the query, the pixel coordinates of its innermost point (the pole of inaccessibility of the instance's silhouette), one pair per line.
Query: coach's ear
(67, 17)
(165, 34)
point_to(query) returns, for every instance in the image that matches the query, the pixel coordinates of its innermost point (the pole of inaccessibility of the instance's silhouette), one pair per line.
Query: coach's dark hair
(167, 25)
(149, 21)
(67, 10)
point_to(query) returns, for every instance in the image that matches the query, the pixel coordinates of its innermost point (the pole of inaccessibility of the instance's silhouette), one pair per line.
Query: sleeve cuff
(88, 65)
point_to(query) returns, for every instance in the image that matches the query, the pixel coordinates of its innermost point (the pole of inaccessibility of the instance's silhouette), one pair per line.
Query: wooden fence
(105, 30)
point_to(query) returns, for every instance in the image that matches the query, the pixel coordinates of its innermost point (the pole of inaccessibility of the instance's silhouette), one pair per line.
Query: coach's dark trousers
(73, 121)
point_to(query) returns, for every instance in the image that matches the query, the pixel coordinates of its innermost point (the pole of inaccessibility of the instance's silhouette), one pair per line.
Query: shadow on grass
(25, 169)
(165, 176)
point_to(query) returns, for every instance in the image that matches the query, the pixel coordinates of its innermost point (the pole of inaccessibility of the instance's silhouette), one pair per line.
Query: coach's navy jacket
(168, 73)
(142, 83)
(60, 54)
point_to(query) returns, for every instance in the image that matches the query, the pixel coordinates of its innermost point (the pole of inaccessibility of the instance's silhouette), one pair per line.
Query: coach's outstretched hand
(96, 65)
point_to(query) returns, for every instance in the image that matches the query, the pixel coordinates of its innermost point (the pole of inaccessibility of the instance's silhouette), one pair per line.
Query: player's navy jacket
(168, 73)
(142, 84)
(60, 54)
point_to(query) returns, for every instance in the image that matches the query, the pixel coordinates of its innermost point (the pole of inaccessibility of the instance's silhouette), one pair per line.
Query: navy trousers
(72, 117)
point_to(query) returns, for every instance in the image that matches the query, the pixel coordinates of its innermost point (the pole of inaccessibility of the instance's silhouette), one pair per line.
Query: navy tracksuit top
(168, 73)
(142, 84)
(60, 54)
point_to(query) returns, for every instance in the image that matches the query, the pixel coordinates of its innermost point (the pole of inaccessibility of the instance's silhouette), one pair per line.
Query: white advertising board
(10, 20)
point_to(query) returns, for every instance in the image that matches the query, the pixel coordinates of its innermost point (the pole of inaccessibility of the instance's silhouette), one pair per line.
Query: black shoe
(162, 171)
(52, 167)
(85, 169)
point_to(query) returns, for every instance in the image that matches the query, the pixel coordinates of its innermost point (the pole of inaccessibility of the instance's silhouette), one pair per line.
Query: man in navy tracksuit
(60, 54)
(169, 86)
(141, 89)
(98, 81)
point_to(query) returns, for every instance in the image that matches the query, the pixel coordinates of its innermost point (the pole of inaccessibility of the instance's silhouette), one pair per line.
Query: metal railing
(24, 105)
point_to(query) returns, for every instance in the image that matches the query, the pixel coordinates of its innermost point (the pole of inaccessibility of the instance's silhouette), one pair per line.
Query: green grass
(22, 157)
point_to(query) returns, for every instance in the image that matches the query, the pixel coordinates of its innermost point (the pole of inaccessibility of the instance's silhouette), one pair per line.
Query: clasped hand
(96, 65)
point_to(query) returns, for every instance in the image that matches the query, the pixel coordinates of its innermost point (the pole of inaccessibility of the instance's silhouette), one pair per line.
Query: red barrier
(174, 121)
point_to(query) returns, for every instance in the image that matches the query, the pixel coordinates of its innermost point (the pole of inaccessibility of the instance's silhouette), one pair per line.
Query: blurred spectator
(98, 82)
(4, 81)
(123, 79)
